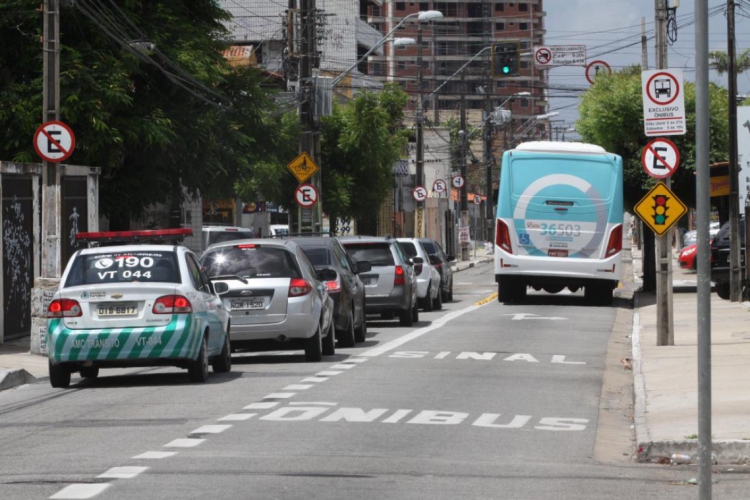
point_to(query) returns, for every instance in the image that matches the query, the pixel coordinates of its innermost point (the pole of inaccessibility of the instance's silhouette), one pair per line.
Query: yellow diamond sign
(303, 167)
(660, 209)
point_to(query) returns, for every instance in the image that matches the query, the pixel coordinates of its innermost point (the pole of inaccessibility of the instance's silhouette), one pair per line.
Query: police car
(137, 304)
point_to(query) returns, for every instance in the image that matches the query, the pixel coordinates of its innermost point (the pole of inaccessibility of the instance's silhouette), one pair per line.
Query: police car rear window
(377, 254)
(124, 267)
(251, 261)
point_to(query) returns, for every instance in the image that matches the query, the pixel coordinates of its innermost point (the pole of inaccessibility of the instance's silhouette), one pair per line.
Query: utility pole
(488, 125)
(462, 163)
(51, 223)
(644, 45)
(309, 220)
(419, 180)
(735, 276)
(664, 318)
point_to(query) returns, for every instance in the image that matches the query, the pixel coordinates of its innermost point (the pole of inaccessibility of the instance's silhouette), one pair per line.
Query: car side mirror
(327, 275)
(220, 287)
(362, 267)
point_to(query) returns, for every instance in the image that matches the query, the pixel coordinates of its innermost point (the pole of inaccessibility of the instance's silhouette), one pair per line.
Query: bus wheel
(504, 291)
(573, 289)
(553, 288)
(519, 292)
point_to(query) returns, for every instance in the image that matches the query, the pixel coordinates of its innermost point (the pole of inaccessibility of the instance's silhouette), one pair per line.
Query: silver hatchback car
(428, 277)
(275, 297)
(391, 284)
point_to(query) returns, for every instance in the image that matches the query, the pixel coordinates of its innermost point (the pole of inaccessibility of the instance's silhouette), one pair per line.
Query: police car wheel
(59, 376)
(89, 372)
(223, 362)
(314, 347)
(198, 368)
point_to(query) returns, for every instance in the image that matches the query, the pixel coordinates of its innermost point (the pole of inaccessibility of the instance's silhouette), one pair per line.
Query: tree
(719, 61)
(154, 121)
(611, 116)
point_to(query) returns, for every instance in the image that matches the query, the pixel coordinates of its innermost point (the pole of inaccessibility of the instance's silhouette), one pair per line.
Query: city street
(475, 401)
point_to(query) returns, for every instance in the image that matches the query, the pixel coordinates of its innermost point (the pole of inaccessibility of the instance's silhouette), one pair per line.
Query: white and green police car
(135, 305)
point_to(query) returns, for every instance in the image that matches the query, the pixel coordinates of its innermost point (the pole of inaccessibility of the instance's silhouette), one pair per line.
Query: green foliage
(360, 143)
(611, 116)
(719, 61)
(130, 118)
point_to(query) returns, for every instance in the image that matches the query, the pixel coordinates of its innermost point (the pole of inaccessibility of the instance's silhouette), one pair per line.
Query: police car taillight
(172, 304)
(64, 308)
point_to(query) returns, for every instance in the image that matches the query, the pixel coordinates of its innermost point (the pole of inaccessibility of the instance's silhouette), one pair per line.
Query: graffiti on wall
(17, 249)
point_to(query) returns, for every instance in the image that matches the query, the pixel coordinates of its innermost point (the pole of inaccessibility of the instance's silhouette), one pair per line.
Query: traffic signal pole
(664, 315)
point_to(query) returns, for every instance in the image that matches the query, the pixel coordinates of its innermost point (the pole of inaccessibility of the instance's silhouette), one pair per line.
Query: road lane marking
(297, 387)
(328, 373)
(260, 406)
(343, 366)
(280, 395)
(305, 403)
(487, 300)
(80, 491)
(210, 429)
(184, 443)
(233, 417)
(155, 455)
(128, 472)
(438, 323)
(315, 379)
(355, 360)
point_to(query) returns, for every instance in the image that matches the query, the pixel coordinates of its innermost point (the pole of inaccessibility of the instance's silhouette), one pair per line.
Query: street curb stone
(15, 377)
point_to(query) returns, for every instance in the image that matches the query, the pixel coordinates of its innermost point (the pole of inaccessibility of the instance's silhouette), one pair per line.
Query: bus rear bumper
(555, 270)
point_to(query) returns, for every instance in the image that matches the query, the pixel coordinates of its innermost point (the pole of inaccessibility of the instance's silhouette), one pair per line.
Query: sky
(607, 27)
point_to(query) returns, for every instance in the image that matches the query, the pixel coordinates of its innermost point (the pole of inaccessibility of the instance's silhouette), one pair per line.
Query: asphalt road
(475, 401)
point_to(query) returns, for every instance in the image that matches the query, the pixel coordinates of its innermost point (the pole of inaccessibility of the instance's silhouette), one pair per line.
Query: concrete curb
(15, 377)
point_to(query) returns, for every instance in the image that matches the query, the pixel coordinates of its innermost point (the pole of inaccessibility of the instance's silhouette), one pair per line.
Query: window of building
(523, 26)
(401, 64)
(525, 85)
(376, 10)
(499, 26)
(499, 6)
(447, 8)
(523, 7)
(426, 64)
(425, 45)
(424, 6)
(524, 103)
(524, 45)
(500, 85)
(400, 5)
(524, 64)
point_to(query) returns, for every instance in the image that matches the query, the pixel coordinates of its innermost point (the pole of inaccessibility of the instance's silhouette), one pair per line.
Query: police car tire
(314, 347)
(223, 362)
(437, 304)
(59, 376)
(89, 372)
(348, 337)
(329, 341)
(198, 368)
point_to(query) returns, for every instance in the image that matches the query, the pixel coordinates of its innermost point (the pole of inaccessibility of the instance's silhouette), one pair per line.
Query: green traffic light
(506, 70)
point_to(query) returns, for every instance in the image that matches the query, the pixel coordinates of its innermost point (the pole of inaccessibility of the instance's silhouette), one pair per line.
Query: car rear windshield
(377, 254)
(409, 248)
(319, 256)
(223, 236)
(429, 247)
(251, 261)
(124, 267)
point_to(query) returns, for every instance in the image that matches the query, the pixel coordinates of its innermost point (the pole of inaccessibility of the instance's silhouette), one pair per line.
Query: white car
(428, 277)
(275, 297)
(135, 305)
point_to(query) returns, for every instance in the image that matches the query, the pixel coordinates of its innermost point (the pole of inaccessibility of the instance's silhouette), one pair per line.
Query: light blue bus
(559, 221)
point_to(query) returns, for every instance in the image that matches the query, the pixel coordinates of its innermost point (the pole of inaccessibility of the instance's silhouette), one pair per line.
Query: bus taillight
(502, 236)
(615, 241)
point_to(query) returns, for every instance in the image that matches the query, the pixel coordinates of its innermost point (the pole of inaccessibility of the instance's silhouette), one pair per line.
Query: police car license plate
(120, 309)
(247, 304)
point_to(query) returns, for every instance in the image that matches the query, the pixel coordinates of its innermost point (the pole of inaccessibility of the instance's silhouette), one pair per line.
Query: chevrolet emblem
(116, 295)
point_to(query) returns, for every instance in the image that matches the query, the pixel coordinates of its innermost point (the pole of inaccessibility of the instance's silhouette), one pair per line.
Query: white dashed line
(237, 416)
(79, 491)
(355, 360)
(315, 379)
(155, 455)
(328, 373)
(184, 443)
(280, 395)
(211, 429)
(343, 366)
(260, 406)
(308, 403)
(122, 472)
(297, 387)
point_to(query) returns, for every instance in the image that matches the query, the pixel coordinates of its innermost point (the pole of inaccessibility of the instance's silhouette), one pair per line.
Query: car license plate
(124, 309)
(558, 253)
(238, 305)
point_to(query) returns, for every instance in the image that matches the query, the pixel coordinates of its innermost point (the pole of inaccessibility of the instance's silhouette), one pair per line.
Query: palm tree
(720, 61)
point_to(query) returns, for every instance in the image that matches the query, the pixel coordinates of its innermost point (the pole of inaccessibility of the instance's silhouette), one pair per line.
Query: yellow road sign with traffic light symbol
(660, 209)
(303, 167)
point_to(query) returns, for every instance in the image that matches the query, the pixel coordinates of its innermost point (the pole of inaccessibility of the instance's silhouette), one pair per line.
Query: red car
(687, 257)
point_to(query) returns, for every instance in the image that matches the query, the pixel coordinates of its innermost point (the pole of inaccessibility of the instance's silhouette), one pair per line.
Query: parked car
(441, 262)
(275, 297)
(687, 257)
(391, 283)
(221, 234)
(136, 305)
(720, 260)
(428, 277)
(347, 290)
(690, 237)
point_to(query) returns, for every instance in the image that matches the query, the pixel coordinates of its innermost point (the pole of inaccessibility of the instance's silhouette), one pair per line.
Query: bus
(559, 221)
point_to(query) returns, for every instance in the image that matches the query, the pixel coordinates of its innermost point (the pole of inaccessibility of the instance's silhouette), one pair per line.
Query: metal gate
(75, 214)
(18, 254)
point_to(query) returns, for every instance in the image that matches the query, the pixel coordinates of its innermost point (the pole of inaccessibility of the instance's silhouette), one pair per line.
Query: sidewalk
(666, 377)
(18, 366)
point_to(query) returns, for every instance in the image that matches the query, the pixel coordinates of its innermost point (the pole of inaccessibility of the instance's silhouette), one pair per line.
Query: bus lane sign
(663, 102)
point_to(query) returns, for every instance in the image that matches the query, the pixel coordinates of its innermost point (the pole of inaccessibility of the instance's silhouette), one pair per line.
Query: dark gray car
(441, 262)
(391, 283)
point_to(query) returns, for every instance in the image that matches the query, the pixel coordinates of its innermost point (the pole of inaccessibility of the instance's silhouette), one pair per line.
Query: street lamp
(528, 124)
(426, 15)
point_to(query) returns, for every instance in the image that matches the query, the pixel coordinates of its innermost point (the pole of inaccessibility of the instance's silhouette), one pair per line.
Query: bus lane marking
(483, 356)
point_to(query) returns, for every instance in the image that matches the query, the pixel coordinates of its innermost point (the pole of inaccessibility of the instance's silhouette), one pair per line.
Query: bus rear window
(599, 174)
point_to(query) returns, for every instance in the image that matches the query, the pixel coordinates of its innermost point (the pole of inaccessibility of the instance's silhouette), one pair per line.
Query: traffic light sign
(660, 209)
(505, 59)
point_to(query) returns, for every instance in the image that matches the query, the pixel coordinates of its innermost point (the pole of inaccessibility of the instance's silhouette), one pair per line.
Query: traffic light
(505, 59)
(660, 209)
